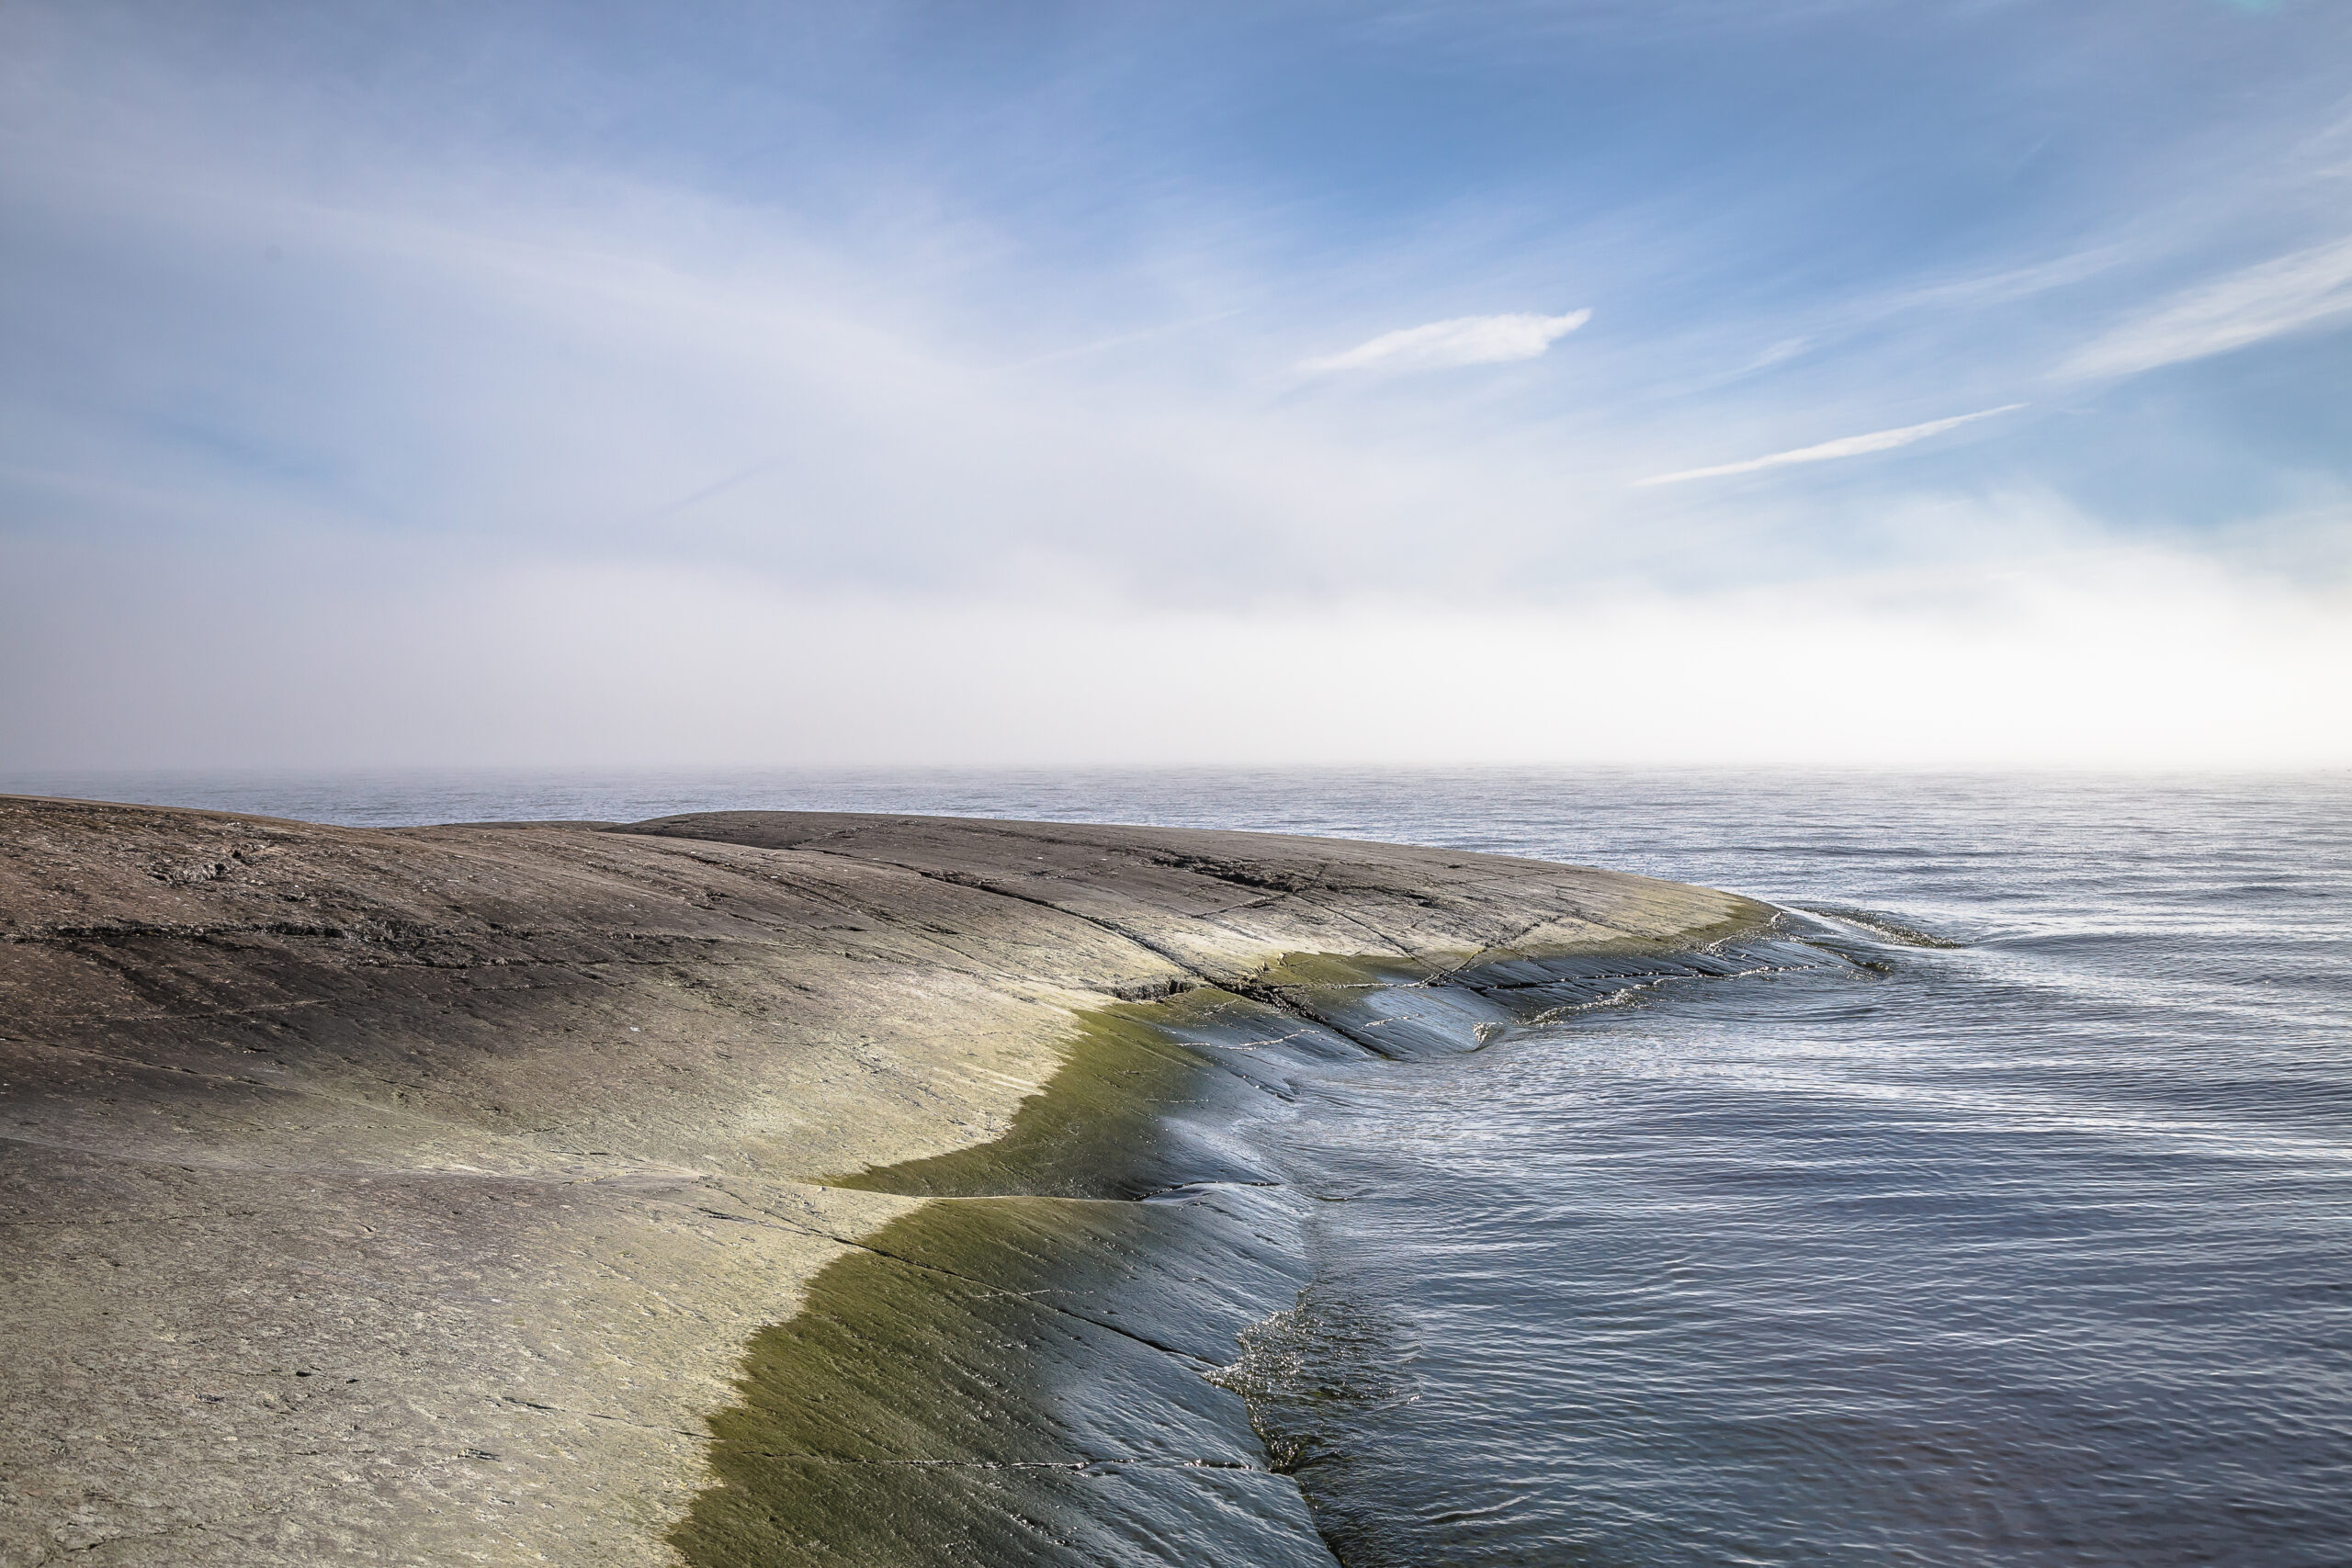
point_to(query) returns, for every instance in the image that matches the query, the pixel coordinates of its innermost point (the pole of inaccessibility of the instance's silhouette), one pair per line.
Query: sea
(2016, 1229)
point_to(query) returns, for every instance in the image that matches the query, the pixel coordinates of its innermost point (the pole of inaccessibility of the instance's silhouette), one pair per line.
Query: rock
(399, 1196)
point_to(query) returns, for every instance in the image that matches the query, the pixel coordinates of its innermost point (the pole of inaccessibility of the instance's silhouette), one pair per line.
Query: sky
(1883, 383)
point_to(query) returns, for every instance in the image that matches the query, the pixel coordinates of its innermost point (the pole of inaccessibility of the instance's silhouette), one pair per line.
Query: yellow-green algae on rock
(1094, 1131)
(1014, 1374)
(419, 1194)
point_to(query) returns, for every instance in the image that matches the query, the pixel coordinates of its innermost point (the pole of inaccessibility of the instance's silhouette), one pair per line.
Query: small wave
(1310, 1373)
(1879, 924)
(1624, 996)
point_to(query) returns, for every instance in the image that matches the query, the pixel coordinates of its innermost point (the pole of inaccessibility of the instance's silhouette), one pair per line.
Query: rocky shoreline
(425, 1194)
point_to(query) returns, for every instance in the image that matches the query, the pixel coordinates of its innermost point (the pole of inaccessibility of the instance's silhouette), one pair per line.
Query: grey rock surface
(408, 1196)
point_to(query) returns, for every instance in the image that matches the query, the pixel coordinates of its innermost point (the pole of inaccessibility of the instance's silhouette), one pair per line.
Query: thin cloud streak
(1464, 340)
(2307, 288)
(1844, 446)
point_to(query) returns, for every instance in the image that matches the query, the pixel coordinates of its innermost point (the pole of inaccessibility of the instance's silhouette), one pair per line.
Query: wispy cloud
(1464, 340)
(2289, 293)
(1844, 446)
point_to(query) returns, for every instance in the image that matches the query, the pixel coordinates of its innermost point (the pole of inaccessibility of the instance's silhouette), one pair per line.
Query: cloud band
(1844, 446)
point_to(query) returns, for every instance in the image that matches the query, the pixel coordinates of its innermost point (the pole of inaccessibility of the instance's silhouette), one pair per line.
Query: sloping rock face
(411, 1196)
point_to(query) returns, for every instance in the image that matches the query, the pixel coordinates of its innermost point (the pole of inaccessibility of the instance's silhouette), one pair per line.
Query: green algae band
(1011, 1380)
(1100, 1128)
(1015, 1372)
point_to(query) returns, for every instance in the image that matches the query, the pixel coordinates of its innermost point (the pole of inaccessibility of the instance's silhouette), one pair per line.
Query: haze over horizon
(1837, 382)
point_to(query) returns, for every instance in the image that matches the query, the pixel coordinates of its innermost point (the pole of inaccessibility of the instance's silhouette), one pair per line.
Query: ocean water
(2015, 1229)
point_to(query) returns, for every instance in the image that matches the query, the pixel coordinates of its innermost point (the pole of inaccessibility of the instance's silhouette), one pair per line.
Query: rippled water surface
(2026, 1239)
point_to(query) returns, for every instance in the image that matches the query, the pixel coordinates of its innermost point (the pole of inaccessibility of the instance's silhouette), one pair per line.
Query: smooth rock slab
(413, 1195)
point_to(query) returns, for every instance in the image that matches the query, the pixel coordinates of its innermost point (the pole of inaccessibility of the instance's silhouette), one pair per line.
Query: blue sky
(1837, 382)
